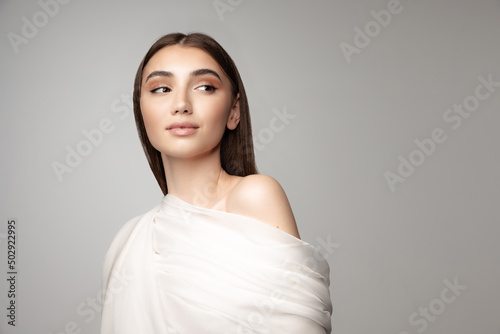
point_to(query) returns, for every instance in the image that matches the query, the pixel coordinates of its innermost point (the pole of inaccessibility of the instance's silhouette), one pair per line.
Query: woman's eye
(207, 88)
(161, 90)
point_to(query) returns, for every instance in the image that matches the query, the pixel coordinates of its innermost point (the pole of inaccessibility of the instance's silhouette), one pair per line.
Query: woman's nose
(182, 104)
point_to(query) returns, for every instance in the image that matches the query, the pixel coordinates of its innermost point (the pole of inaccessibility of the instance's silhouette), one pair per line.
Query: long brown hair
(236, 153)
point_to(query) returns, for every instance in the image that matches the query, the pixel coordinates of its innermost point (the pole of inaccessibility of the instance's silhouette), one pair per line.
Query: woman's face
(186, 102)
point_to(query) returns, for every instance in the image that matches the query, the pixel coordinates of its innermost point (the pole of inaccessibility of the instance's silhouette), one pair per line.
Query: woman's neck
(200, 181)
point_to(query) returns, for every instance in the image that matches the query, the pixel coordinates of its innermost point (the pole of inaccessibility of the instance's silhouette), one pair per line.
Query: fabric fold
(181, 268)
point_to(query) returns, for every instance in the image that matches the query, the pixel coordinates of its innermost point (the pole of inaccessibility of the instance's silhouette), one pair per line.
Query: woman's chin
(189, 153)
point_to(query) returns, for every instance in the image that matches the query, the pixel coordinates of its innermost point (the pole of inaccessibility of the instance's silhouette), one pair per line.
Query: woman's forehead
(178, 58)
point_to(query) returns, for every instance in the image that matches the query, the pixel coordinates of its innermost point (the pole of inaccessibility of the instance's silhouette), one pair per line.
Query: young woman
(221, 252)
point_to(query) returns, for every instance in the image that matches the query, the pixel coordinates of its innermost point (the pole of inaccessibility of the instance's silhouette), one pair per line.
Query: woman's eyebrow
(194, 73)
(203, 71)
(159, 74)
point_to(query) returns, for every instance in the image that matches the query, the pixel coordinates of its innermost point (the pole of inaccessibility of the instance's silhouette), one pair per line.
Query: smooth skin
(185, 84)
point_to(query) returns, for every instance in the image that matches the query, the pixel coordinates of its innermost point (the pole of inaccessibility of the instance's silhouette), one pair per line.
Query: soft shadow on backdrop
(379, 118)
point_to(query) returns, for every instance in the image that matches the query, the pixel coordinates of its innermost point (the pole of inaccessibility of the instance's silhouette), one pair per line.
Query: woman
(221, 253)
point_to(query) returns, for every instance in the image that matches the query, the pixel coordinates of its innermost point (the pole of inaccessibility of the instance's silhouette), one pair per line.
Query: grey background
(390, 251)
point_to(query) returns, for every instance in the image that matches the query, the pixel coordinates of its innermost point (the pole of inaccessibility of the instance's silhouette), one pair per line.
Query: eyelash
(209, 88)
(155, 90)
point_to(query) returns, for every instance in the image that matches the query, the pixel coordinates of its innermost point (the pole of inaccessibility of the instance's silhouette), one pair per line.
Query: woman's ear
(234, 114)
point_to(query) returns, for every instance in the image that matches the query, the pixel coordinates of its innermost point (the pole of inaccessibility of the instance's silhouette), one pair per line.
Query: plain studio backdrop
(379, 118)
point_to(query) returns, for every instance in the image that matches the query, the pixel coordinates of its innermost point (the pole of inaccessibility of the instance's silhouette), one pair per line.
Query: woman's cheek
(218, 123)
(151, 122)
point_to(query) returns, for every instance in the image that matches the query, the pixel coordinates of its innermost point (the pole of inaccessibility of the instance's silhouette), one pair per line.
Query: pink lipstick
(182, 128)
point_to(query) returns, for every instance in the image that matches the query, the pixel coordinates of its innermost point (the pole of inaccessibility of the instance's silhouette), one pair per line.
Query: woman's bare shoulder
(261, 197)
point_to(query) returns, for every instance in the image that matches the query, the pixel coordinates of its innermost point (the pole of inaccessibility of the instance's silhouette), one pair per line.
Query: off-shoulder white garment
(185, 269)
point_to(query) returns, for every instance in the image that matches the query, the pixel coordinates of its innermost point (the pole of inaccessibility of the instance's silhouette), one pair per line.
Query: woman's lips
(182, 131)
(182, 128)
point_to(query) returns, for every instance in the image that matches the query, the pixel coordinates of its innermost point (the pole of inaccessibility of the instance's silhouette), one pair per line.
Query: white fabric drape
(185, 269)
